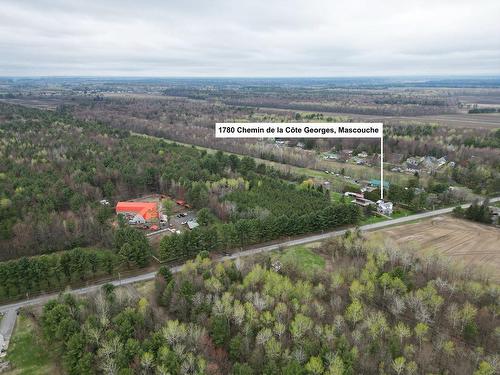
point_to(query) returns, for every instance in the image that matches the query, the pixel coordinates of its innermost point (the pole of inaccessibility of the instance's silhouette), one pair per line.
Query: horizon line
(421, 76)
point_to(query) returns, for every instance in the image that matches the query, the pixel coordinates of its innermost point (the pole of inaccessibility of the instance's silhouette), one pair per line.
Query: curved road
(261, 249)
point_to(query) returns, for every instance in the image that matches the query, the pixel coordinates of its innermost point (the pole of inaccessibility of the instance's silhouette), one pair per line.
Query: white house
(384, 208)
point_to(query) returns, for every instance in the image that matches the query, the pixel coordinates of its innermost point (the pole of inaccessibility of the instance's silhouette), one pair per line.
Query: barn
(140, 211)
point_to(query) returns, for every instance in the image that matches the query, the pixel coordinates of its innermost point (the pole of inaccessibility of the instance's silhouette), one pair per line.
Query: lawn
(305, 259)
(372, 220)
(401, 212)
(27, 355)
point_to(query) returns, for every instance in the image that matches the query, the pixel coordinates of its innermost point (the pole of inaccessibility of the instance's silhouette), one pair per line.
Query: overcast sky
(249, 37)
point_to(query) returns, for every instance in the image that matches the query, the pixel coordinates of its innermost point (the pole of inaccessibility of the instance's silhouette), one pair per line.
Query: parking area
(179, 220)
(177, 223)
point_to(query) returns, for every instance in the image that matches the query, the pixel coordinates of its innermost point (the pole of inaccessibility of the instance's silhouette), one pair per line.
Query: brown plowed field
(469, 242)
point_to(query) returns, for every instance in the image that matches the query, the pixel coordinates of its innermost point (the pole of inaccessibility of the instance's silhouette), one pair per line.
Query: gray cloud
(249, 37)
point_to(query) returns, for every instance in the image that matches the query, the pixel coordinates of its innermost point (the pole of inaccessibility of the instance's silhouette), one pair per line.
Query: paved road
(7, 326)
(260, 249)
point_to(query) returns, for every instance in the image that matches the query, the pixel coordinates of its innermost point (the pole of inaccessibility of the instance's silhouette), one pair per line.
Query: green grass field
(305, 259)
(400, 212)
(27, 355)
(372, 220)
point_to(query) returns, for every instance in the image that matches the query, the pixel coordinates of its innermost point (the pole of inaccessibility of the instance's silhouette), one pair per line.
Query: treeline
(475, 212)
(54, 271)
(478, 177)
(245, 232)
(409, 130)
(484, 110)
(49, 272)
(490, 140)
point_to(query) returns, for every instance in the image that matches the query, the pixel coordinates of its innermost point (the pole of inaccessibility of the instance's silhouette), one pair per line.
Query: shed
(192, 224)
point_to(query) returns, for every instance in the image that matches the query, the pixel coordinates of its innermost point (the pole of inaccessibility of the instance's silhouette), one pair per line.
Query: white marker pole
(382, 165)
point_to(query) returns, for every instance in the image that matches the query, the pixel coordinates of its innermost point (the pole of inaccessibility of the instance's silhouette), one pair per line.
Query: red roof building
(148, 210)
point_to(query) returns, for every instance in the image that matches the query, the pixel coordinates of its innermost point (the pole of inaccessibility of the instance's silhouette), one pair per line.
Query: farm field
(465, 241)
(460, 120)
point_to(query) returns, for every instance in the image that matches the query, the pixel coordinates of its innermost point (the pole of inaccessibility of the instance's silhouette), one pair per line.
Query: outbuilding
(146, 210)
(192, 224)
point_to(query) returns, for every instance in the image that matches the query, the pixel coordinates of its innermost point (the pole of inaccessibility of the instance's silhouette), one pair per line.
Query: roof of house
(378, 183)
(148, 210)
(351, 194)
(362, 201)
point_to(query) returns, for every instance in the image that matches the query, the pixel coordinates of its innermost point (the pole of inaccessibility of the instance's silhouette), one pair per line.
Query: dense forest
(56, 169)
(52, 272)
(378, 310)
(191, 121)
(279, 198)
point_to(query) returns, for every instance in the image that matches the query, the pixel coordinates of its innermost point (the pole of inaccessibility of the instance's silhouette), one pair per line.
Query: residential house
(384, 208)
(441, 161)
(413, 163)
